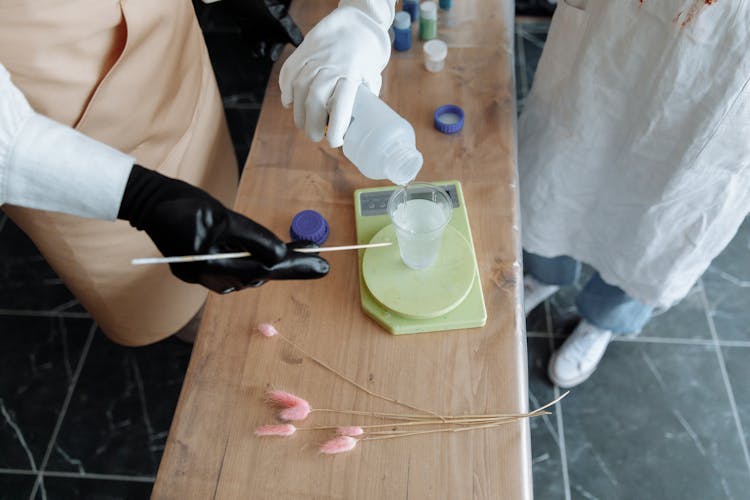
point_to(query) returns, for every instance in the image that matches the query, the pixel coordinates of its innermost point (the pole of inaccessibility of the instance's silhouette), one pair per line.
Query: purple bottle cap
(309, 225)
(449, 119)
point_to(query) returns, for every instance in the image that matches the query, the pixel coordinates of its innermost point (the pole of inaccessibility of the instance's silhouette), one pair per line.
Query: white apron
(133, 74)
(634, 143)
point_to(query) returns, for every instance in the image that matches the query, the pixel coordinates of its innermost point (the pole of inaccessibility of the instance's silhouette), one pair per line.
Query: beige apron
(134, 74)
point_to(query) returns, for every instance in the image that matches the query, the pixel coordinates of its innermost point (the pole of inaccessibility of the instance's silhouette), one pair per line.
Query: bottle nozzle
(403, 165)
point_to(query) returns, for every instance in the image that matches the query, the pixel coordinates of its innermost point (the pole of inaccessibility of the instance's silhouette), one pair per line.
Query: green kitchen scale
(446, 296)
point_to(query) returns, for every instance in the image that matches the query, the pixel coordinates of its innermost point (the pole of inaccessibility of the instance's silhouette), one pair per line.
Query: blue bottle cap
(402, 20)
(449, 119)
(309, 225)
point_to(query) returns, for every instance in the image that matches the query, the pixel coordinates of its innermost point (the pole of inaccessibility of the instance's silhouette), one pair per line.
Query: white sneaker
(579, 355)
(535, 292)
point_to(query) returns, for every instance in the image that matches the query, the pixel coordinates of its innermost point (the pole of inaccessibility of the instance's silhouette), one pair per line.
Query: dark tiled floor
(666, 416)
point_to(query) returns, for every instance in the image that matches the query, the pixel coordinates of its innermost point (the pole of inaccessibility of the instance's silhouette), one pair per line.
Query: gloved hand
(349, 47)
(184, 220)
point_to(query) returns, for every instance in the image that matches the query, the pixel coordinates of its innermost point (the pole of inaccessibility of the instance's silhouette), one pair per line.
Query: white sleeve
(49, 166)
(382, 11)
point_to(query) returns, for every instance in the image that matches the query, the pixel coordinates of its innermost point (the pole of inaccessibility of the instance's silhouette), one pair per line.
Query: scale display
(446, 296)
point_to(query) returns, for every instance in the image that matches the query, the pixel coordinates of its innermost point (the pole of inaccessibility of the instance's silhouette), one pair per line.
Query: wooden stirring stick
(238, 255)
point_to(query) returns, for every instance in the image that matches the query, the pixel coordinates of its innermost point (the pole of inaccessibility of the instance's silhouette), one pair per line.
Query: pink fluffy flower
(295, 408)
(267, 330)
(275, 430)
(295, 412)
(351, 430)
(285, 399)
(340, 444)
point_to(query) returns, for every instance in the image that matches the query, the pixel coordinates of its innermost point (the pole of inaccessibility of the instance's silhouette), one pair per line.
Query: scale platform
(446, 296)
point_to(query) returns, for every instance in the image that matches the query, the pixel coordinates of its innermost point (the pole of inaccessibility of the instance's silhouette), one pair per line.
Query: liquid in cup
(420, 213)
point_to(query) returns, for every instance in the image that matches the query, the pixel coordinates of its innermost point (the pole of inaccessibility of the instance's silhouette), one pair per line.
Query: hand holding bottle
(348, 48)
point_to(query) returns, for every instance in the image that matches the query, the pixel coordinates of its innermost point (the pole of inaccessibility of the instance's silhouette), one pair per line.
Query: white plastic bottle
(379, 142)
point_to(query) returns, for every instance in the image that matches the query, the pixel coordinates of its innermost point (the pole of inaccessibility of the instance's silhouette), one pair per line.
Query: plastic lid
(449, 119)
(435, 50)
(309, 225)
(428, 10)
(402, 20)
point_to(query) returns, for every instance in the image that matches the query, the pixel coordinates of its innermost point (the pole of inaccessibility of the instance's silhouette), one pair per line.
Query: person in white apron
(89, 87)
(634, 157)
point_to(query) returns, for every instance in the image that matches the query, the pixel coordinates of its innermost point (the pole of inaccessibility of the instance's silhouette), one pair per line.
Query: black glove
(184, 220)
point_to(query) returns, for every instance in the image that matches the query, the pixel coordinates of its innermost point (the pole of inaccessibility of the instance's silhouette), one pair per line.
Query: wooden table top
(212, 451)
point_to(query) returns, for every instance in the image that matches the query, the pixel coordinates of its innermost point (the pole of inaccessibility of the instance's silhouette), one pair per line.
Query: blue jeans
(599, 303)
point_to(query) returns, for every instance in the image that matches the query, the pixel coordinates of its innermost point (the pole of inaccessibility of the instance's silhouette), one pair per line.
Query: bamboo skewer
(239, 255)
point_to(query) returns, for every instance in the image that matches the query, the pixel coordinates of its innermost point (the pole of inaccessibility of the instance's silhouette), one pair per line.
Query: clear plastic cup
(420, 213)
(435, 52)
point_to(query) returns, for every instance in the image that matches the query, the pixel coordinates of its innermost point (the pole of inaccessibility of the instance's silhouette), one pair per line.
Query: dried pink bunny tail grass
(267, 330)
(341, 444)
(275, 430)
(351, 430)
(296, 408)
(299, 412)
(286, 399)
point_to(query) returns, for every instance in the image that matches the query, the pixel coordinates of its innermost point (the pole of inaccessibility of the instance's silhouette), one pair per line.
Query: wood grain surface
(212, 451)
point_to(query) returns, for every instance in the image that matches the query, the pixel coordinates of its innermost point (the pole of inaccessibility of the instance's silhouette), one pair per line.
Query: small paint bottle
(446, 4)
(412, 7)
(402, 29)
(427, 20)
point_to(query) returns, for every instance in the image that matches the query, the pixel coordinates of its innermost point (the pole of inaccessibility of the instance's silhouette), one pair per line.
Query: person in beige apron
(134, 75)
(133, 79)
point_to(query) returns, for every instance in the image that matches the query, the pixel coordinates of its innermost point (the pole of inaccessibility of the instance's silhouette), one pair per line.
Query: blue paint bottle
(402, 29)
(412, 7)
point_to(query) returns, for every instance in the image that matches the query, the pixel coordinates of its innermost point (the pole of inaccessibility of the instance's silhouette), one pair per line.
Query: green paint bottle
(427, 20)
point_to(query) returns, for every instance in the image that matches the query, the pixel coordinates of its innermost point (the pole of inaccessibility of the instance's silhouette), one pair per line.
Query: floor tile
(728, 305)
(38, 358)
(727, 285)
(738, 371)
(686, 320)
(16, 486)
(656, 419)
(545, 448)
(27, 282)
(121, 410)
(734, 260)
(536, 320)
(534, 35)
(64, 488)
(535, 7)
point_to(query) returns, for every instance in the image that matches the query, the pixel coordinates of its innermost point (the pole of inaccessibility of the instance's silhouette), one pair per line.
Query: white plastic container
(435, 52)
(379, 142)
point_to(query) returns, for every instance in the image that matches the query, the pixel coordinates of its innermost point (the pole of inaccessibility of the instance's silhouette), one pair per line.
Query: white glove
(346, 49)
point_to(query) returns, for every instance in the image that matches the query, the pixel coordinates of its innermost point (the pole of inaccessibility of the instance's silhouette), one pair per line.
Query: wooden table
(212, 451)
